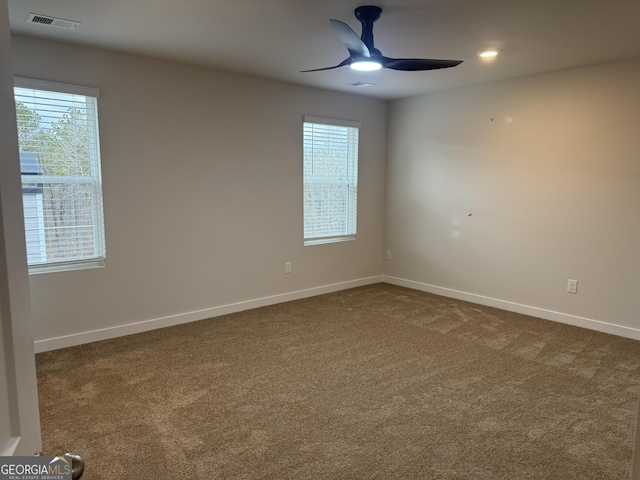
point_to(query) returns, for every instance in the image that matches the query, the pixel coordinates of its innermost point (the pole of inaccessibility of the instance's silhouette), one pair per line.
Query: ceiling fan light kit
(365, 66)
(363, 55)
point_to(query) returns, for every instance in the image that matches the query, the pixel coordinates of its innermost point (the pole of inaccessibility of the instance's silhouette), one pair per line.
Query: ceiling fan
(364, 56)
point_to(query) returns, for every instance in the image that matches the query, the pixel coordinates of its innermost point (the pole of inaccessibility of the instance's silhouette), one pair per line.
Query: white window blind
(61, 179)
(330, 180)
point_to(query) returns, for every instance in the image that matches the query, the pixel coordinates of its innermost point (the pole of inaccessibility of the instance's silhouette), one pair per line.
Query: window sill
(321, 241)
(66, 267)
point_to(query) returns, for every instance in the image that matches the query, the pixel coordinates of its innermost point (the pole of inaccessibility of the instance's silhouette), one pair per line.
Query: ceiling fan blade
(320, 69)
(341, 64)
(350, 39)
(417, 64)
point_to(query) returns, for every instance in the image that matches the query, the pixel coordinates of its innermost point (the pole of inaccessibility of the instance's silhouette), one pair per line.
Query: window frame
(98, 260)
(350, 211)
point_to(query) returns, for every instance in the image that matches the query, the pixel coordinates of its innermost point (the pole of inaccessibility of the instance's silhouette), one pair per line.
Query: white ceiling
(278, 38)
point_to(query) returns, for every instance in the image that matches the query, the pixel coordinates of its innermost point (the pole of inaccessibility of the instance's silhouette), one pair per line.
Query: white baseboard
(152, 324)
(574, 320)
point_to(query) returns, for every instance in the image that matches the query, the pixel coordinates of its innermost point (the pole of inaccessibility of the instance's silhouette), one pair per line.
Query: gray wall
(202, 181)
(501, 192)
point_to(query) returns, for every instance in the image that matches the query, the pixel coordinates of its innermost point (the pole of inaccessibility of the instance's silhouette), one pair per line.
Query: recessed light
(488, 54)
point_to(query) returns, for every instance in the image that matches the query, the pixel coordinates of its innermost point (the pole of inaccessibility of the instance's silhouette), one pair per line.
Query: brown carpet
(378, 382)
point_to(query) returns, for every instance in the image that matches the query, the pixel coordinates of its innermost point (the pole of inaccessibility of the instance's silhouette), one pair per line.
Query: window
(61, 181)
(330, 180)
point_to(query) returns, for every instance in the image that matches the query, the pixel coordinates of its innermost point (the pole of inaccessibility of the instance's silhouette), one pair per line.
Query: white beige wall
(497, 193)
(19, 418)
(500, 193)
(202, 194)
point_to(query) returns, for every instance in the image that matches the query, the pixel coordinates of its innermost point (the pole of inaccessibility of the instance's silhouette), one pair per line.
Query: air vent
(361, 84)
(52, 21)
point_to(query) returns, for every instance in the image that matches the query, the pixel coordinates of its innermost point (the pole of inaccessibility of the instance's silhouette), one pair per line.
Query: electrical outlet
(387, 255)
(572, 286)
(287, 267)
